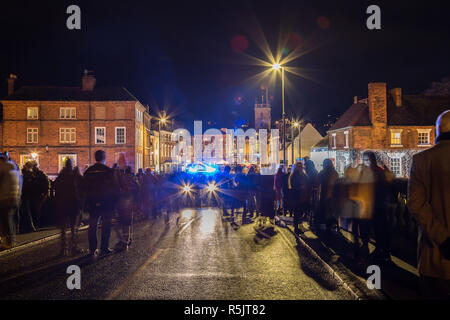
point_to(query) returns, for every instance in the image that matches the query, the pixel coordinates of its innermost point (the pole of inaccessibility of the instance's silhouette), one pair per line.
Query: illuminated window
(396, 137)
(100, 135)
(62, 158)
(396, 166)
(32, 113)
(67, 113)
(67, 135)
(333, 140)
(24, 158)
(120, 135)
(32, 135)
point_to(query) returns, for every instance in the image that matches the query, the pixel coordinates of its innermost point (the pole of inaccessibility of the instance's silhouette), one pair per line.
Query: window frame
(68, 133)
(35, 114)
(333, 140)
(428, 133)
(96, 135)
(124, 135)
(61, 158)
(32, 133)
(346, 139)
(65, 113)
(393, 139)
(400, 169)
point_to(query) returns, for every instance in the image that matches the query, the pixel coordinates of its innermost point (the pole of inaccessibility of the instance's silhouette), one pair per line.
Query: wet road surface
(196, 254)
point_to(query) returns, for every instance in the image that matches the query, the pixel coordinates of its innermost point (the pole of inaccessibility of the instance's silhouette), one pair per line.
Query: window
(334, 140)
(32, 113)
(396, 137)
(120, 135)
(67, 135)
(100, 113)
(100, 135)
(423, 137)
(62, 158)
(24, 158)
(67, 113)
(396, 166)
(346, 139)
(32, 135)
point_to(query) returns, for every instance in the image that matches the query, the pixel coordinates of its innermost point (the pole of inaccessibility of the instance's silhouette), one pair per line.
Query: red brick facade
(58, 137)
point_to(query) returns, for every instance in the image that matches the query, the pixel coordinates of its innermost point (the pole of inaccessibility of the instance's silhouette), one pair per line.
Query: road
(196, 254)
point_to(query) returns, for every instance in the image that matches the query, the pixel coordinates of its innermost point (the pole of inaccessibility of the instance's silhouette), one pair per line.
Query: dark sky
(178, 54)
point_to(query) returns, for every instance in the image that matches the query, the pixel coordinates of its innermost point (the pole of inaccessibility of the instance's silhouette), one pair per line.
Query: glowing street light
(277, 66)
(162, 120)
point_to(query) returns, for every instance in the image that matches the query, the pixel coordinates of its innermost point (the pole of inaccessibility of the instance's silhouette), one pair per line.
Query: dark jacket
(102, 187)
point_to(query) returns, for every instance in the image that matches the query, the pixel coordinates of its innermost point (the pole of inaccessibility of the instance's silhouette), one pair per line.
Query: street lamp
(163, 121)
(294, 124)
(277, 66)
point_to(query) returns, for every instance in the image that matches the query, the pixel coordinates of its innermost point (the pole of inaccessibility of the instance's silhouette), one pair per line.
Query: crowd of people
(359, 199)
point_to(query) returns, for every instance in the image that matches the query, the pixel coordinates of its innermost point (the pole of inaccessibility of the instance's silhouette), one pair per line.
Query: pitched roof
(356, 115)
(71, 94)
(323, 143)
(416, 110)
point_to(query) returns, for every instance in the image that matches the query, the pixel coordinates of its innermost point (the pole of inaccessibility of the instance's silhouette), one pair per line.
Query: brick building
(49, 124)
(393, 125)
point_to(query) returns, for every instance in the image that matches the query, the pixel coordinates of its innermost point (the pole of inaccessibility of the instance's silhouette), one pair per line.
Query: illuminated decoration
(201, 168)
(34, 155)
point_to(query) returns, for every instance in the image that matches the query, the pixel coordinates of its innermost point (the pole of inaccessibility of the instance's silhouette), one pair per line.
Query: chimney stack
(396, 94)
(355, 99)
(11, 80)
(377, 103)
(87, 81)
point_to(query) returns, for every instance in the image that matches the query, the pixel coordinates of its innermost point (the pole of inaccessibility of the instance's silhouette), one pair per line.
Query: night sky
(181, 55)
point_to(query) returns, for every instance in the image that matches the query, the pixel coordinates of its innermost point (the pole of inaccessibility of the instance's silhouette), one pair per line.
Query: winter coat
(429, 202)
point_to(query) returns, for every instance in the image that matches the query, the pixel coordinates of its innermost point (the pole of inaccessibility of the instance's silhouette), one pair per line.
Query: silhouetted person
(327, 179)
(102, 192)
(380, 208)
(68, 204)
(9, 200)
(429, 202)
(298, 182)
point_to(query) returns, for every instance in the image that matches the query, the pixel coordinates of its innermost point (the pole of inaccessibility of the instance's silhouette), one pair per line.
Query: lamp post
(277, 66)
(294, 125)
(162, 120)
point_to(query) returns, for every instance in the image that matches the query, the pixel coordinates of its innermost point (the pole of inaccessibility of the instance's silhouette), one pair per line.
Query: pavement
(399, 279)
(193, 254)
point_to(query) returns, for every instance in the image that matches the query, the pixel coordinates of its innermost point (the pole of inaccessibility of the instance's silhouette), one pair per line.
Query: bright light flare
(187, 188)
(34, 155)
(211, 187)
(276, 66)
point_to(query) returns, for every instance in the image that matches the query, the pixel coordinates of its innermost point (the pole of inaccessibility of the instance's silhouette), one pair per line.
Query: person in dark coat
(298, 183)
(429, 203)
(313, 187)
(102, 192)
(67, 204)
(128, 190)
(327, 179)
(278, 188)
